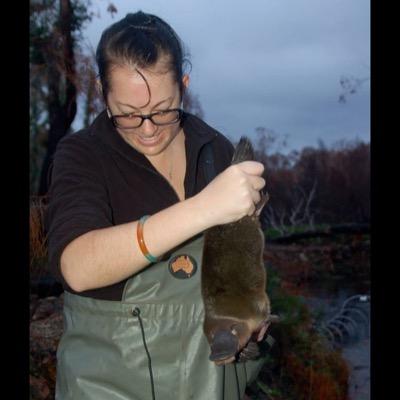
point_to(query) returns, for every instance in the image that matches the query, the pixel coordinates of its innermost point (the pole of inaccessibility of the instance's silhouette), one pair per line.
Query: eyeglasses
(130, 121)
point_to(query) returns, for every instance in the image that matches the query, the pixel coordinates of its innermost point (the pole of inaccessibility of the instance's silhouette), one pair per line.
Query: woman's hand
(233, 193)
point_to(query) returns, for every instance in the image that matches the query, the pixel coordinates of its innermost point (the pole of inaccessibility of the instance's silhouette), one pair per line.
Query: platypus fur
(233, 280)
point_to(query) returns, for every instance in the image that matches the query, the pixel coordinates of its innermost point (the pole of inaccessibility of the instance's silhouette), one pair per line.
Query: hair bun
(140, 19)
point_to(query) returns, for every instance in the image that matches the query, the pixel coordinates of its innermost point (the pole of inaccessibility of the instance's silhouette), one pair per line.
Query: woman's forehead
(131, 87)
(126, 74)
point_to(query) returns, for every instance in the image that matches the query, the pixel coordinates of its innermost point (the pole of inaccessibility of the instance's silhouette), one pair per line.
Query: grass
(272, 233)
(300, 365)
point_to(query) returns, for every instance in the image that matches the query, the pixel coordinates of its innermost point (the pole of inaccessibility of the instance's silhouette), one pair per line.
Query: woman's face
(129, 94)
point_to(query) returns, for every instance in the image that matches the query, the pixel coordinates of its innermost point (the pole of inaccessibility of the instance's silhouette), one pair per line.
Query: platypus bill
(233, 281)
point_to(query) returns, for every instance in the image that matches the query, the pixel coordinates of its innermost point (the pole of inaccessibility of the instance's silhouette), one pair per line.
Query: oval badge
(182, 266)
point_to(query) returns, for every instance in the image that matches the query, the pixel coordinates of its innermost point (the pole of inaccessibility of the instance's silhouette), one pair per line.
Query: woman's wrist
(202, 216)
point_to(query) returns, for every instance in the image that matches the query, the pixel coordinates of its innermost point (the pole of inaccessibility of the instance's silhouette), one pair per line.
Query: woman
(129, 197)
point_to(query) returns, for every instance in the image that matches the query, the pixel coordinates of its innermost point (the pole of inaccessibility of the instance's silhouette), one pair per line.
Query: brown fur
(234, 281)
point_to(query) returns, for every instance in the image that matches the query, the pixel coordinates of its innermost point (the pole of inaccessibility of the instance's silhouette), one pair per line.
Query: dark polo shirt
(98, 180)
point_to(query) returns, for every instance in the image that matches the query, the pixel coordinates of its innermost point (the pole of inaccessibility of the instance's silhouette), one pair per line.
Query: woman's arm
(106, 256)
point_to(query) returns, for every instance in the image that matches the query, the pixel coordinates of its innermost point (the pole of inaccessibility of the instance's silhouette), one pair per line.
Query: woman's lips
(149, 141)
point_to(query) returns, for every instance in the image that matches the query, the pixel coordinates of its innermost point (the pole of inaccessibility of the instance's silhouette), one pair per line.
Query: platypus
(233, 280)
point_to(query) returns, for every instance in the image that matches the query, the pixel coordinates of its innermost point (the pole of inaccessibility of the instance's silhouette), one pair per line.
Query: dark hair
(139, 39)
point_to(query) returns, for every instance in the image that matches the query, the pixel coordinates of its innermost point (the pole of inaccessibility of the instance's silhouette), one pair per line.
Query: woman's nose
(148, 128)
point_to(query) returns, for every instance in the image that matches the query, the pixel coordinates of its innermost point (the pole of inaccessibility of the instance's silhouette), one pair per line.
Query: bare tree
(53, 66)
(299, 213)
(350, 85)
(59, 73)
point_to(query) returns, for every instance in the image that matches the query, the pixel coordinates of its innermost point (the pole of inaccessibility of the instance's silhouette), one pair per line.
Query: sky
(275, 64)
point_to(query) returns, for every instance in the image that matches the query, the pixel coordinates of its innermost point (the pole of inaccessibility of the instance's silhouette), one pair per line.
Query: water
(326, 301)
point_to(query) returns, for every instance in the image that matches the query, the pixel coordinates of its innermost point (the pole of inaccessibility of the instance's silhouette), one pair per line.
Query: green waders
(102, 354)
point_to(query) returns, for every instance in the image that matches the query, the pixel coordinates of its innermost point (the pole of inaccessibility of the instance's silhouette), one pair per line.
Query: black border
(15, 184)
(384, 202)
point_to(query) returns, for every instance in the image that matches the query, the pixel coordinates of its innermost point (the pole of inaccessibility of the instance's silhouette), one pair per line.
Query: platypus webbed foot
(259, 334)
(250, 352)
(224, 346)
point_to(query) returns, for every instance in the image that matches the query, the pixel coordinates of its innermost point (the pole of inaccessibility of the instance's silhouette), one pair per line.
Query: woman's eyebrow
(128, 105)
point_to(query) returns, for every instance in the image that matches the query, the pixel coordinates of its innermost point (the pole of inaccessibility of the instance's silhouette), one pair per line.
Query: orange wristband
(140, 240)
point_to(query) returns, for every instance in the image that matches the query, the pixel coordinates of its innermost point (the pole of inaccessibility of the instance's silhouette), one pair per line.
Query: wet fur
(234, 278)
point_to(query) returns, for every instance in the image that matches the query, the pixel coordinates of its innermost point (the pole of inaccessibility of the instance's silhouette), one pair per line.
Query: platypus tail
(243, 151)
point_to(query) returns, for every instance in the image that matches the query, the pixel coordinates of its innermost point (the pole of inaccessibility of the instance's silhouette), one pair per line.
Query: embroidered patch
(182, 266)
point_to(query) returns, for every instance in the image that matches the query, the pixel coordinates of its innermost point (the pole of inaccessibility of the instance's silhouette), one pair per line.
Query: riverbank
(357, 352)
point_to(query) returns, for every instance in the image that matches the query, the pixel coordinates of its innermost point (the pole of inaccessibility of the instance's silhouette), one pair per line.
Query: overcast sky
(270, 63)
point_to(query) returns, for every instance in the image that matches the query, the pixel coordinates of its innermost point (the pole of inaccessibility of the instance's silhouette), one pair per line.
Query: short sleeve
(78, 197)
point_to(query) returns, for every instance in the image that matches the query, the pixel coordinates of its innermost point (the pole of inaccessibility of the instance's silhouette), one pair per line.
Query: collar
(197, 133)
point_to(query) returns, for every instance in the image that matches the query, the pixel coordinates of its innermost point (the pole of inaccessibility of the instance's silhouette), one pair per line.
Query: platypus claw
(259, 334)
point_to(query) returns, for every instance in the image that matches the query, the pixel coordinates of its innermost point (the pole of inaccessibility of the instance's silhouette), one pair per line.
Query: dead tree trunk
(61, 72)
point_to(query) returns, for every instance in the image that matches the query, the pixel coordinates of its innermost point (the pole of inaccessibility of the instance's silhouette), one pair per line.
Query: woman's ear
(185, 80)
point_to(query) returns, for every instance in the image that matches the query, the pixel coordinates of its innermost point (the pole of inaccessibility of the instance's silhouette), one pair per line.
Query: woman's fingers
(251, 167)
(257, 182)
